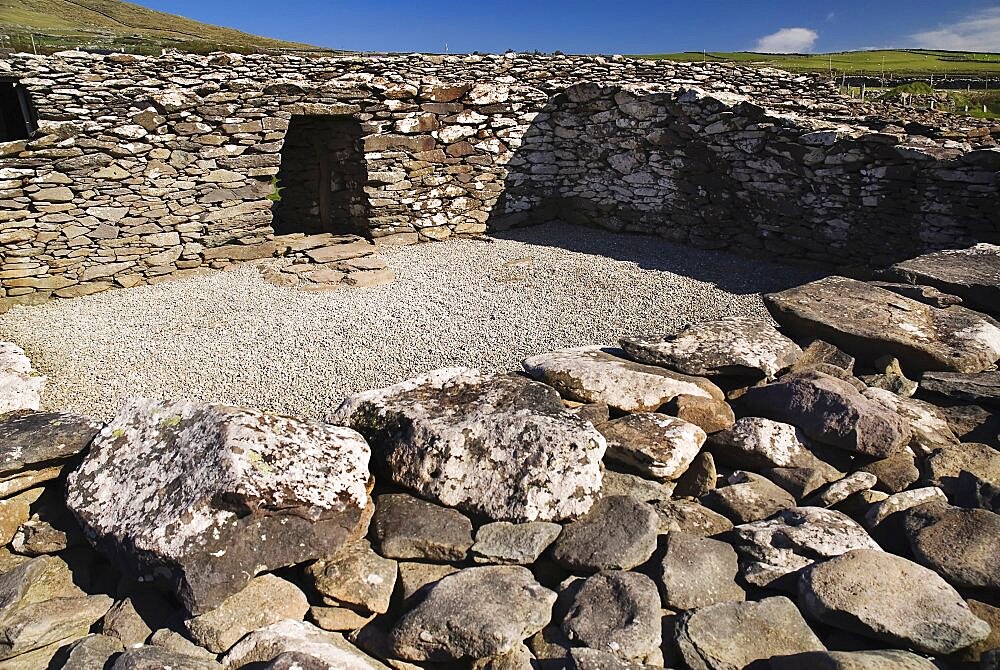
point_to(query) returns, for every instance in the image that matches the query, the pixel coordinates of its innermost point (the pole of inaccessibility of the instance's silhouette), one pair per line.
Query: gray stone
(410, 528)
(726, 636)
(516, 544)
(355, 576)
(597, 374)
(591, 659)
(500, 446)
(731, 346)
(657, 445)
(690, 517)
(748, 497)
(415, 576)
(800, 482)
(888, 659)
(754, 442)
(93, 651)
(887, 597)
(832, 412)
(972, 274)
(125, 624)
(709, 414)
(871, 322)
(929, 430)
(41, 440)
(943, 467)
(181, 493)
(267, 599)
(794, 539)
(475, 613)
(158, 658)
(925, 294)
(698, 571)
(268, 643)
(959, 544)
(624, 484)
(900, 502)
(982, 388)
(840, 490)
(619, 533)
(617, 612)
(700, 477)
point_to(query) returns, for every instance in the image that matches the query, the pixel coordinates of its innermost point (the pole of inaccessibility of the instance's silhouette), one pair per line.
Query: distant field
(52, 25)
(897, 62)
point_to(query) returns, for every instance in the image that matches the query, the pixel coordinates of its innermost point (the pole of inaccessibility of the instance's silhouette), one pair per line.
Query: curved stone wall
(150, 168)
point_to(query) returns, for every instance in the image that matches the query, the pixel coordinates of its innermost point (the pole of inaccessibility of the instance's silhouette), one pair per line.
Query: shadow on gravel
(728, 271)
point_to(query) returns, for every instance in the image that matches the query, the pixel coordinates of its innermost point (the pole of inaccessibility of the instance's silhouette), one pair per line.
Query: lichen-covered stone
(731, 346)
(657, 445)
(268, 643)
(596, 374)
(20, 388)
(203, 497)
(500, 446)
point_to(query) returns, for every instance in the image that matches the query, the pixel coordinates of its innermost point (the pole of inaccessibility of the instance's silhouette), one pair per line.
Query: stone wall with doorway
(143, 169)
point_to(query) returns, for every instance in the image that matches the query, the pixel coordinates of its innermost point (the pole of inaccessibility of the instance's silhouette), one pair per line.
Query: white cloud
(788, 40)
(977, 32)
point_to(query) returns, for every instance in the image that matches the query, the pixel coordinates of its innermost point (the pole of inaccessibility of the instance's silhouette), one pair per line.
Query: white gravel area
(233, 338)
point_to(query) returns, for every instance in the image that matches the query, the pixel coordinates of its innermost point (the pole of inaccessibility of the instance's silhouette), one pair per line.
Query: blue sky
(606, 26)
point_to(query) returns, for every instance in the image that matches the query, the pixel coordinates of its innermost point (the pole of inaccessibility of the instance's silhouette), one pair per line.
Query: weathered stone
(731, 346)
(981, 388)
(20, 387)
(267, 599)
(338, 618)
(475, 613)
(943, 467)
(690, 517)
(158, 658)
(698, 571)
(887, 597)
(174, 641)
(823, 354)
(407, 527)
(928, 429)
(757, 443)
(980, 650)
(891, 378)
(895, 473)
(800, 482)
(971, 491)
(972, 274)
(793, 540)
(40, 606)
(356, 576)
(341, 252)
(840, 490)
(40, 440)
(497, 445)
(872, 322)
(266, 644)
(619, 533)
(240, 252)
(517, 544)
(890, 659)
(236, 475)
(624, 484)
(597, 374)
(654, 444)
(709, 414)
(959, 544)
(748, 497)
(972, 423)
(93, 651)
(830, 411)
(700, 477)
(618, 612)
(15, 511)
(925, 294)
(592, 659)
(124, 623)
(415, 576)
(735, 635)
(900, 502)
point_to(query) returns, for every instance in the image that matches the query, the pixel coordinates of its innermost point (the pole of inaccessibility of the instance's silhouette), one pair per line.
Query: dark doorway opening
(17, 118)
(322, 178)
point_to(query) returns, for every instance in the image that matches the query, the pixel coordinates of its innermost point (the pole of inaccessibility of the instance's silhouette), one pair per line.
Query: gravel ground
(233, 338)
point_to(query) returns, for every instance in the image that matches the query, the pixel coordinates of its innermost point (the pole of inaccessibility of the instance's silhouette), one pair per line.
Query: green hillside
(52, 25)
(895, 62)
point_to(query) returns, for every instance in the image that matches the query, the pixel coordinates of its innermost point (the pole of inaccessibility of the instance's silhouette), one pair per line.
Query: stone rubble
(503, 534)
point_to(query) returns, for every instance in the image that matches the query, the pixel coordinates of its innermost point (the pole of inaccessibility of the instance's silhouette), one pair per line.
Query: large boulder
(886, 597)
(726, 636)
(871, 322)
(20, 387)
(202, 497)
(793, 540)
(972, 274)
(597, 374)
(657, 445)
(475, 613)
(500, 446)
(731, 346)
(959, 544)
(832, 412)
(36, 446)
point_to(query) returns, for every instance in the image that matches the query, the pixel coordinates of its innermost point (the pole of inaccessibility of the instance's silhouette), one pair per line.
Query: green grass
(896, 62)
(117, 25)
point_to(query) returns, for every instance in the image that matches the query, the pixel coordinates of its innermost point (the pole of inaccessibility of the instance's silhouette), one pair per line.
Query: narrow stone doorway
(320, 184)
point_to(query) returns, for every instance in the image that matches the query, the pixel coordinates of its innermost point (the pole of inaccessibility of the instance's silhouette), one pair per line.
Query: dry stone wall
(149, 168)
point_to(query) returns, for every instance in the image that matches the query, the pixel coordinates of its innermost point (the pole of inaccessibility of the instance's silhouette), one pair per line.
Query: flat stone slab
(411, 528)
(182, 492)
(871, 322)
(982, 388)
(972, 274)
(654, 444)
(38, 440)
(597, 374)
(731, 346)
(889, 598)
(501, 446)
(619, 533)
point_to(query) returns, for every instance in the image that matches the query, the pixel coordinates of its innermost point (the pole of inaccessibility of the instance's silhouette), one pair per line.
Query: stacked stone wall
(150, 168)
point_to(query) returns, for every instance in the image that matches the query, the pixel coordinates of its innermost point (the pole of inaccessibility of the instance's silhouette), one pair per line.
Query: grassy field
(52, 25)
(896, 62)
